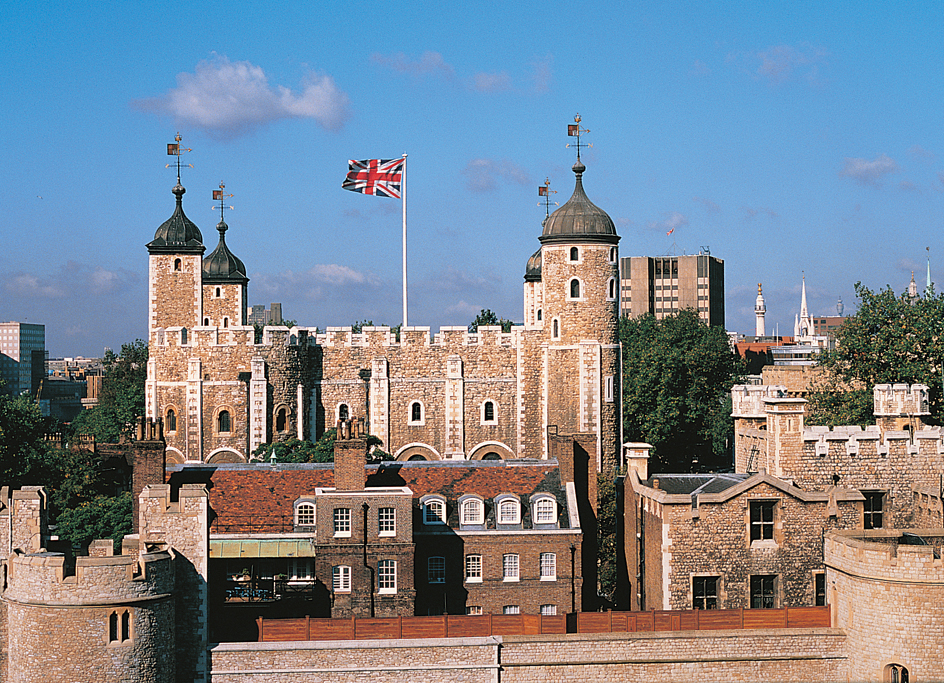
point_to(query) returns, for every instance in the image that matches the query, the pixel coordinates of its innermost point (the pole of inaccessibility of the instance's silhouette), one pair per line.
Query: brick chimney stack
(350, 456)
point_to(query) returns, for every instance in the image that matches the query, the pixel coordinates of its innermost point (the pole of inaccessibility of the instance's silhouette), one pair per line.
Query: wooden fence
(462, 626)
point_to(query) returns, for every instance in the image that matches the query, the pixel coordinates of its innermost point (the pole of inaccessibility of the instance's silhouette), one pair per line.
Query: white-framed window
(548, 567)
(301, 569)
(489, 413)
(612, 254)
(434, 511)
(342, 522)
(510, 568)
(436, 570)
(545, 511)
(608, 388)
(417, 414)
(473, 609)
(473, 569)
(472, 511)
(305, 514)
(611, 289)
(387, 576)
(574, 254)
(511, 609)
(341, 579)
(509, 511)
(548, 610)
(387, 521)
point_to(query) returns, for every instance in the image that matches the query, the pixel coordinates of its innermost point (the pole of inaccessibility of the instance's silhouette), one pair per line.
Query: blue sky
(786, 137)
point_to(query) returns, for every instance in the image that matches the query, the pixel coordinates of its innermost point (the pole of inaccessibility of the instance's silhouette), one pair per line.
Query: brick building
(455, 395)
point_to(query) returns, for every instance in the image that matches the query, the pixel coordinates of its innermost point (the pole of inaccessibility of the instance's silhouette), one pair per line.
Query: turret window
(206, 322)
(539, 315)
(225, 322)
(555, 329)
(281, 419)
(119, 627)
(575, 289)
(217, 292)
(177, 264)
(574, 254)
(612, 254)
(417, 417)
(171, 422)
(611, 289)
(488, 413)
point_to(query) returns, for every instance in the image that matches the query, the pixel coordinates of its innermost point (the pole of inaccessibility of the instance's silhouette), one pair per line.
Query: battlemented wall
(889, 599)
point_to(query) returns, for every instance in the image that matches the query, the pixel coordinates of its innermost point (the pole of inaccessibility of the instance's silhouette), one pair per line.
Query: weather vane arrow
(546, 192)
(575, 131)
(174, 149)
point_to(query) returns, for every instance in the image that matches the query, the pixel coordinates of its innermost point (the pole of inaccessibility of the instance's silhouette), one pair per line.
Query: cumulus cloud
(709, 205)
(671, 221)
(429, 64)
(867, 172)
(490, 83)
(482, 175)
(335, 274)
(780, 62)
(228, 99)
(27, 284)
(70, 279)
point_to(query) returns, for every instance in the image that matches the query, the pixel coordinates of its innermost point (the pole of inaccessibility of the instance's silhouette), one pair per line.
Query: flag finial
(174, 149)
(546, 192)
(575, 131)
(220, 196)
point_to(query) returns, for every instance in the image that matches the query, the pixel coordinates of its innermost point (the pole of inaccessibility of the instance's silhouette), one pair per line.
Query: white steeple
(912, 288)
(804, 323)
(759, 310)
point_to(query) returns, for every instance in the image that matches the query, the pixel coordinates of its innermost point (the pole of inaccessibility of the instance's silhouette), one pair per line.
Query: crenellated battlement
(45, 578)
(747, 400)
(448, 336)
(894, 400)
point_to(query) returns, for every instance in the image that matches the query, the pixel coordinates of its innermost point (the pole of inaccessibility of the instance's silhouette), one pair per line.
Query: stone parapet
(747, 400)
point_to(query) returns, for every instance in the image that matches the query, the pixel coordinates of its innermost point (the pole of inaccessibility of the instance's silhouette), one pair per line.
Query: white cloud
(778, 63)
(430, 64)
(920, 152)
(482, 175)
(671, 221)
(490, 83)
(465, 309)
(28, 285)
(867, 172)
(228, 99)
(334, 274)
(709, 205)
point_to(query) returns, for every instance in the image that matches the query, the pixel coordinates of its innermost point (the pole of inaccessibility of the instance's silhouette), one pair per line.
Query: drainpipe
(370, 570)
(573, 579)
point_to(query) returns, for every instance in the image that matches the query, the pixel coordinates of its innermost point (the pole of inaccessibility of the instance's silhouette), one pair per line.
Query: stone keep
(222, 391)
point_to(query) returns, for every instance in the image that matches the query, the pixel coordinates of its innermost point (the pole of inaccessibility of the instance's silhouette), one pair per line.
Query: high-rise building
(22, 357)
(260, 315)
(663, 285)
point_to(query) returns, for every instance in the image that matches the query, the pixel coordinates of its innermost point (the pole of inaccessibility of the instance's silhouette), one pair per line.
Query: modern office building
(22, 357)
(663, 285)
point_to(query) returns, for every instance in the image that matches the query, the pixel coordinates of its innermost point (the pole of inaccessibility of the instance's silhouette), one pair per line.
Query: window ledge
(387, 591)
(511, 579)
(765, 544)
(548, 578)
(388, 533)
(473, 579)
(342, 534)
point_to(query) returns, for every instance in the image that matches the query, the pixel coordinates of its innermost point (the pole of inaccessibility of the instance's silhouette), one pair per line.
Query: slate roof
(259, 498)
(695, 483)
(178, 234)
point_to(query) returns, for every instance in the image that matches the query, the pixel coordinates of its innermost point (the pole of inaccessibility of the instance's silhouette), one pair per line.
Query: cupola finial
(174, 149)
(221, 196)
(546, 192)
(575, 131)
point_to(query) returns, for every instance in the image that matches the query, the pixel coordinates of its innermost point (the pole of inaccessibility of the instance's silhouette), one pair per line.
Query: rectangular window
(548, 610)
(436, 570)
(387, 521)
(762, 520)
(508, 512)
(473, 568)
(342, 521)
(434, 512)
(874, 504)
(511, 609)
(545, 511)
(704, 592)
(510, 567)
(819, 589)
(548, 567)
(301, 570)
(762, 591)
(473, 609)
(608, 389)
(387, 576)
(341, 579)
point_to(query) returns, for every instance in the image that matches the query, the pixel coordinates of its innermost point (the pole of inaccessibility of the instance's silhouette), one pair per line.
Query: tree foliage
(22, 430)
(677, 379)
(122, 398)
(607, 564)
(322, 450)
(486, 318)
(890, 339)
(100, 517)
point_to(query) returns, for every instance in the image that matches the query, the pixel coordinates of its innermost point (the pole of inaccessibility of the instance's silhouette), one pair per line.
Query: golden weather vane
(546, 192)
(174, 149)
(575, 131)
(221, 196)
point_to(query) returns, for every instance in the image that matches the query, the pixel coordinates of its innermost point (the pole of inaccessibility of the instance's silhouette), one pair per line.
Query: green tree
(122, 398)
(607, 564)
(22, 432)
(487, 317)
(890, 339)
(322, 450)
(100, 517)
(677, 379)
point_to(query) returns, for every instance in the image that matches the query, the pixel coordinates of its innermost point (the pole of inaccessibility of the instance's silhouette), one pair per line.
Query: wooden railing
(462, 626)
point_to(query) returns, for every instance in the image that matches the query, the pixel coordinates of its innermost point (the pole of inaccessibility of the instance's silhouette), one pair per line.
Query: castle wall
(889, 599)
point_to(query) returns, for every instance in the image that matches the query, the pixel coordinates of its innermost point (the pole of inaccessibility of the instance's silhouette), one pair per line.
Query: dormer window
(434, 510)
(305, 514)
(509, 510)
(544, 510)
(471, 511)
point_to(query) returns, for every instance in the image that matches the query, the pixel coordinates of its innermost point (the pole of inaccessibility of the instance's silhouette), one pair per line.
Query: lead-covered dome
(223, 266)
(178, 234)
(532, 272)
(579, 219)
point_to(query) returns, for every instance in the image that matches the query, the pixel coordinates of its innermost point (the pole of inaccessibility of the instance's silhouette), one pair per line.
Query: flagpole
(403, 197)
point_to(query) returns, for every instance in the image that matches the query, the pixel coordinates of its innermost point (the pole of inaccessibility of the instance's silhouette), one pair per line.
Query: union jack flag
(379, 177)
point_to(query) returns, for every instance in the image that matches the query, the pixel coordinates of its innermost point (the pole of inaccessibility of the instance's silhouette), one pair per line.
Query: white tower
(760, 309)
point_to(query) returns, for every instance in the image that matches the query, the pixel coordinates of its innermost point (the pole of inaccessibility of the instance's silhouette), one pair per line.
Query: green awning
(262, 547)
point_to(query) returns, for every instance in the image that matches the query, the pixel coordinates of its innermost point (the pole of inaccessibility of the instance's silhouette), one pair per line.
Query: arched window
(225, 321)
(539, 315)
(555, 329)
(183, 335)
(206, 322)
(281, 419)
(509, 511)
(612, 254)
(575, 289)
(544, 511)
(488, 413)
(574, 254)
(217, 292)
(223, 422)
(491, 455)
(305, 514)
(434, 511)
(344, 413)
(177, 264)
(895, 673)
(611, 288)
(472, 512)
(416, 413)
(171, 422)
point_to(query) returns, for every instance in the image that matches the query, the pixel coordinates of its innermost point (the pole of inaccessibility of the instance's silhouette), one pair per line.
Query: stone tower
(760, 310)
(579, 316)
(175, 272)
(224, 286)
